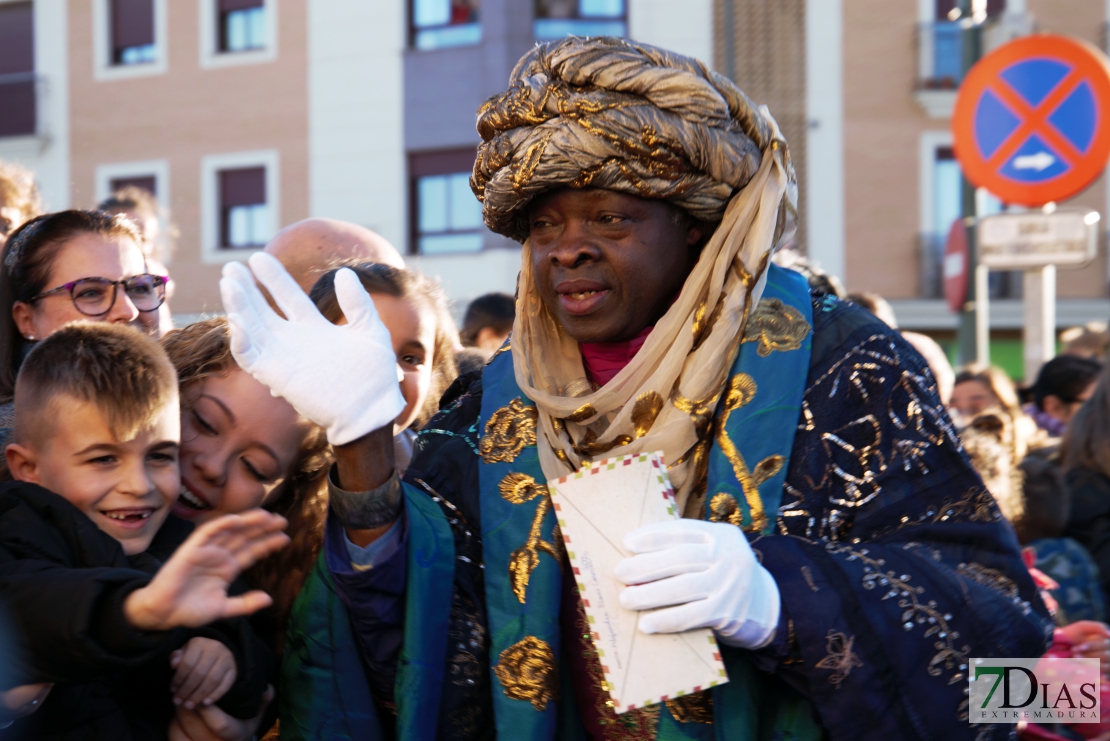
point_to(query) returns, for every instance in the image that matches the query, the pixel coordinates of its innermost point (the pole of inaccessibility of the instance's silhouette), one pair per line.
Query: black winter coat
(1089, 520)
(63, 583)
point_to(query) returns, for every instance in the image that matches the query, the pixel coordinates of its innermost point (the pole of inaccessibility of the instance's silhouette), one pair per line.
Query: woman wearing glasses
(69, 266)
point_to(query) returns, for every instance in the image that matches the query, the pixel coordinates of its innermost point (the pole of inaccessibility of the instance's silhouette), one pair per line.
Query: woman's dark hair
(25, 266)
(1086, 443)
(406, 284)
(1066, 377)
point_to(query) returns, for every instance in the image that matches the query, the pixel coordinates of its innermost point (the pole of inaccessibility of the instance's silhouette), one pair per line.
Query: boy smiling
(100, 581)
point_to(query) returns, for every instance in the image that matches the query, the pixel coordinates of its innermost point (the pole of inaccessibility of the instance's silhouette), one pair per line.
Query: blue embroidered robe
(893, 563)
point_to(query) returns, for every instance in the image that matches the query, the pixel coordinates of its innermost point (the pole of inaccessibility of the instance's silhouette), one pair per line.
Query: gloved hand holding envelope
(596, 507)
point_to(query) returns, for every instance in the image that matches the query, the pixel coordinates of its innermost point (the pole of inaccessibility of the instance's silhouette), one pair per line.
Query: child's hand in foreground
(190, 590)
(205, 670)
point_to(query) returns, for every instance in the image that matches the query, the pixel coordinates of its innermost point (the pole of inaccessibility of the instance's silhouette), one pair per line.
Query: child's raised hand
(190, 590)
(205, 670)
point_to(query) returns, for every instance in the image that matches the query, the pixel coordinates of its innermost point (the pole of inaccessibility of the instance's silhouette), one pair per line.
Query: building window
(556, 19)
(240, 203)
(447, 217)
(17, 70)
(439, 24)
(149, 183)
(941, 42)
(242, 25)
(150, 175)
(133, 32)
(244, 213)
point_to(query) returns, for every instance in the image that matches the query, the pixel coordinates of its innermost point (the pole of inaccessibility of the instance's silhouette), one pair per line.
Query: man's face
(125, 487)
(607, 264)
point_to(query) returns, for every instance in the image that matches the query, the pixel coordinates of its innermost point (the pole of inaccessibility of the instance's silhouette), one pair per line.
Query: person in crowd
(795, 425)
(876, 304)
(1085, 458)
(978, 388)
(64, 267)
(487, 322)
(1034, 498)
(819, 281)
(411, 307)
(19, 198)
(312, 247)
(229, 420)
(933, 353)
(1090, 340)
(100, 579)
(157, 233)
(1062, 385)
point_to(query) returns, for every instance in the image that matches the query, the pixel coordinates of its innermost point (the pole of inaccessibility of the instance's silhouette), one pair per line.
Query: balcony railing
(940, 47)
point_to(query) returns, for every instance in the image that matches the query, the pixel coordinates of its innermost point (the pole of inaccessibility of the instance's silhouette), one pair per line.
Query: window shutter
(148, 183)
(244, 187)
(226, 6)
(132, 23)
(17, 58)
(17, 38)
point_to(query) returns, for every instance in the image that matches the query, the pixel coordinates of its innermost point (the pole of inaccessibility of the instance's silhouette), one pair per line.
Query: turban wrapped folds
(615, 114)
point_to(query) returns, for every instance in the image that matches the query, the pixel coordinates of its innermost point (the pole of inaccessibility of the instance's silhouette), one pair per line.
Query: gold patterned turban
(611, 113)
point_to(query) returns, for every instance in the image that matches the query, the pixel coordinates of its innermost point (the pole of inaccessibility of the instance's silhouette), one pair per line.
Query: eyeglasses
(97, 296)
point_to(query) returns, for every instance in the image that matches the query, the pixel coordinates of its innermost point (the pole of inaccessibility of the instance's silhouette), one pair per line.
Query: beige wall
(882, 131)
(185, 114)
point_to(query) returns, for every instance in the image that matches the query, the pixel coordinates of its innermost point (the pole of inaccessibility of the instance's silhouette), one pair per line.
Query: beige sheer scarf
(666, 397)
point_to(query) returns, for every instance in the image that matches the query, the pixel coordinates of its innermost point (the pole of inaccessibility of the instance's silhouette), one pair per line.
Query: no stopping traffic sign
(1032, 119)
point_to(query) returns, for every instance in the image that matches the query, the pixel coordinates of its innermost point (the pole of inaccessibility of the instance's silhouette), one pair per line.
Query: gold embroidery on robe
(695, 708)
(741, 390)
(635, 725)
(840, 658)
(775, 326)
(527, 671)
(509, 430)
(519, 488)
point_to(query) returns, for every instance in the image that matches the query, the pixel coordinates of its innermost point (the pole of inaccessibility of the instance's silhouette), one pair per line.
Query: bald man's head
(310, 248)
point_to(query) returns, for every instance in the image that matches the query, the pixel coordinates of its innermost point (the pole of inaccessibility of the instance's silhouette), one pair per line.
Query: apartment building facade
(243, 116)
(246, 115)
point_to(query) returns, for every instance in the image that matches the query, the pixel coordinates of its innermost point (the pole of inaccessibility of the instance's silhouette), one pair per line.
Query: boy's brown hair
(114, 367)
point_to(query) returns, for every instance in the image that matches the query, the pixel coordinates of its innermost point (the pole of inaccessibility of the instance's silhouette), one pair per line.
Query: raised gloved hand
(708, 572)
(343, 378)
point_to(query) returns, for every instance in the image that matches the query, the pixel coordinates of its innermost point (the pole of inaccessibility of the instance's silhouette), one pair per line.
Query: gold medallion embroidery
(519, 488)
(509, 430)
(776, 326)
(527, 671)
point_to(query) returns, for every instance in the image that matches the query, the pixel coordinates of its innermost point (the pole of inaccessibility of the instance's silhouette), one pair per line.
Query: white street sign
(1018, 241)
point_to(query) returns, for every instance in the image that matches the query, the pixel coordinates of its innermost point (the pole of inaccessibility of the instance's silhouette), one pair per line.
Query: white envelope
(595, 507)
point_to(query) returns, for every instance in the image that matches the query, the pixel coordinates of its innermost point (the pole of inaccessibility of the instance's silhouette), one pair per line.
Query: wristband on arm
(365, 510)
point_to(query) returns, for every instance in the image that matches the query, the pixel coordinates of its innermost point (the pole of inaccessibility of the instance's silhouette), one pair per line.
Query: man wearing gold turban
(834, 536)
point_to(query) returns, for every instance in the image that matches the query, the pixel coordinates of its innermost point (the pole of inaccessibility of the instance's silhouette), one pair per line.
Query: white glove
(343, 378)
(708, 572)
